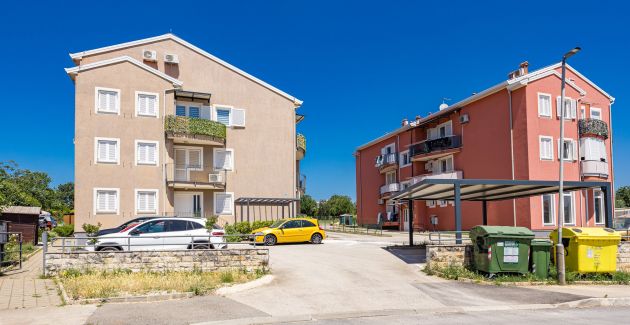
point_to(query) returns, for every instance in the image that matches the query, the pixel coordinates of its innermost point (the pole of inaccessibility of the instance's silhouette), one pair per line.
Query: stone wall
(439, 256)
(184, 260)
(623, 256)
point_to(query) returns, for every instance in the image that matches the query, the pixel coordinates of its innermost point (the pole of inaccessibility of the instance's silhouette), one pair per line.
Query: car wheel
(316, 238)
(270, 240)
(201, 246)
(109, 249)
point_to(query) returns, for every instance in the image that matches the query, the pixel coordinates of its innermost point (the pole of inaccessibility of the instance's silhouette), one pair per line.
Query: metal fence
(376, 229)
(448, 237)
(10, 251)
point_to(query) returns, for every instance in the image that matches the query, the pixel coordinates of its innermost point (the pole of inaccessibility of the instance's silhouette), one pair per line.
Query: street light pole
(559, 245)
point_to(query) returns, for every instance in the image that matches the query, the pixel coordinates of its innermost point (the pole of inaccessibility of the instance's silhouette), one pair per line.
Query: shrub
(65, 230)
(187, 125)
(91, 231)
(244, 228)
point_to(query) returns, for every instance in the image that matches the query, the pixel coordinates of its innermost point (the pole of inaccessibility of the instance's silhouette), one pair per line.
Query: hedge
(593, 126)
(301, 141)
(191, 125)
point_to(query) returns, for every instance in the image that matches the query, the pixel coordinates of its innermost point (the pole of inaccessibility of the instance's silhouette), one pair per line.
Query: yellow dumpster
(588, 250)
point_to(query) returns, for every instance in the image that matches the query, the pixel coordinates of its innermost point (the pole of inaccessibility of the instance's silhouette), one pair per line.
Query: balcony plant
(301, 141)
(195, 126)
(594, 127)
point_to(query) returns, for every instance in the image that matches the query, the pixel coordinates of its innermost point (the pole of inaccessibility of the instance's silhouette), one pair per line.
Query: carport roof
(264, 201)
(487, 189)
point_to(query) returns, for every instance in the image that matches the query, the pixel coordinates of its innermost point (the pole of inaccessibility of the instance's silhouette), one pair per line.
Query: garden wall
(439, 256)
(159, 261)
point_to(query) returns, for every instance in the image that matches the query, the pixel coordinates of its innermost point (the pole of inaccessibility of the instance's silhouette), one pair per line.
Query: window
(405, 185)
(570, 108)
(146, 152)
(175, 225)
(442, 203)
(190, 111)
(223, 159)
(152, 227)
(596, 113)
(593, 149)
(446, 164)
(388, 149)
(223, 203)
(544, 105)
(567, 150)
(307, 224)
(147, 104)
(431, 203)
(598, 207)
(404, 159)
(146, 201)
(223, 115)
(292, 224)
(390, 177)
(443, 130)
(569, 210)
(107, 150)
(106, 200)
(548, 210)
(188, 159)
(196, 225)
(546, 148)
(107, 101)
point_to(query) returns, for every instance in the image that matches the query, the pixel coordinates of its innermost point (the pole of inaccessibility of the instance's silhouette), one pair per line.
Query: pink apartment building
(507, 132)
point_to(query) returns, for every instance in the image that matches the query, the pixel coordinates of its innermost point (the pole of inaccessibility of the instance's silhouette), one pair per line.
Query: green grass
(458, 272)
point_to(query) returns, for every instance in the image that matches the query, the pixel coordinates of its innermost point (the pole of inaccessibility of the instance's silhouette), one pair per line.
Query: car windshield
(277, 224)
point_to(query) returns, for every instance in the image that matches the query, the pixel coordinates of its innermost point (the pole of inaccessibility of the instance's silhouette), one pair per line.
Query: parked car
(292, 230)
(160, 233)
(124, 226)
(47, 221)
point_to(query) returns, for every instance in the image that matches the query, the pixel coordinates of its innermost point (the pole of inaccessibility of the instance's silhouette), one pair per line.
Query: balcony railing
(194, 128)
(301, 141)
(593, 127)
(450, 175)
(194, 176)
(386, 160)
(302, 183)
(596, 168)
(432, 145)
(390, 188)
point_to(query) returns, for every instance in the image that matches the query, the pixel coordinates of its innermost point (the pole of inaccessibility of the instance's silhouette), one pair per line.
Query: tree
(622, 197)
(65, 193)
(308, 205)
(337, 205)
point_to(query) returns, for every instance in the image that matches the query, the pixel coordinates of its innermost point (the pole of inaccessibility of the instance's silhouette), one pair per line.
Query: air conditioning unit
(381, 201)
(171, 58)
(428, 166)
(215, 178)
(149, 55)
(464, 119)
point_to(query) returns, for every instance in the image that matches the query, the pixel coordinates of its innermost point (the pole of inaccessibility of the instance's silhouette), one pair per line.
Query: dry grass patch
(119, 283)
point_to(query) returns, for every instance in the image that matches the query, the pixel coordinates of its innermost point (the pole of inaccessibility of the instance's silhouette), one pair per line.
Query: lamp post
(560, 246)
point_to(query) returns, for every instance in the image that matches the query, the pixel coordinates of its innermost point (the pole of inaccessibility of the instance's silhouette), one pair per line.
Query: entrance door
(189, 204)
(405, 219)
(181, 170)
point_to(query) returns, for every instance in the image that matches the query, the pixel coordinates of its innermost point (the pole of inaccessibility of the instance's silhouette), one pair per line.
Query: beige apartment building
(162, 127)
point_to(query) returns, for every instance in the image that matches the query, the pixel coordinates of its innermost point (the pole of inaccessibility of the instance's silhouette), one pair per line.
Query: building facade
(162, 127)
(509, 131)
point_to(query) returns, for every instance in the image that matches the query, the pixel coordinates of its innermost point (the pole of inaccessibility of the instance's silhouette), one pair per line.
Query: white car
(162, 234)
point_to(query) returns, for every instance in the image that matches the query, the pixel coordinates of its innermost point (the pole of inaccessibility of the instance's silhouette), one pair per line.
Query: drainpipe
(612, 179)
(512, 150)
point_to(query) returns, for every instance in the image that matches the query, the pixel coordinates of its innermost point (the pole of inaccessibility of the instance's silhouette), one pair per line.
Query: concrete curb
(584, 303)
(245, 286)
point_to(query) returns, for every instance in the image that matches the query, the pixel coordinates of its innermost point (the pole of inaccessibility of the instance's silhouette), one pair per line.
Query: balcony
(194, 177)
(386, 162)
(434, 148)
(594, 168)
(188, 130)
(590, 127)
(301, 146)
(389, 189)
(450, 175)
(302, 183)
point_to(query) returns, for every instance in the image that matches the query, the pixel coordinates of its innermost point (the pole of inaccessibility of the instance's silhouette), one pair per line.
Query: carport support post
(458, 214)
(484, 212)
(410, 208)
(608, 204)
(44, 251)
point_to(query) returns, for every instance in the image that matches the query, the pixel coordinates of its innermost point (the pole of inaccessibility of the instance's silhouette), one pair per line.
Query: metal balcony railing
(390, 188)
(199, 174)
(386, 159)
(593, 127)
(428, 146)
(457, 174)
(302, 183)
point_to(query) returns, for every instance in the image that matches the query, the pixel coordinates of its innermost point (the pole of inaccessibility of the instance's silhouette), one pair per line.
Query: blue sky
(360, 67)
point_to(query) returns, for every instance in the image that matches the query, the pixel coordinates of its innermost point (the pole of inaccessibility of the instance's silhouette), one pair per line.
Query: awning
(486, 189)
(192, 96)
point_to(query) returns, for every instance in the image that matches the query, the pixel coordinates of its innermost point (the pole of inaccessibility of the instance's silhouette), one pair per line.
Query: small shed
(24, 220)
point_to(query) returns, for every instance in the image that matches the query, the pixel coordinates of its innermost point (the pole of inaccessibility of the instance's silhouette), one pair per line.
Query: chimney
(405, 122)
(418, 118)
(522, 70)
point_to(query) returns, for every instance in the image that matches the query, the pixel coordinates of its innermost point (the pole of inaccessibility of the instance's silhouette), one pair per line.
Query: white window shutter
(219, 159)
(111, 151)
(142, 152)
(206, 112)
(238, 117)
(102, 101)
(223, 204)
(101, 201)
(151, 201)
(151, 105)
(573, 109)
(574, 150)
(194, 158)
(142, 105)
(151, 153)
(558, 106)
(559, 150)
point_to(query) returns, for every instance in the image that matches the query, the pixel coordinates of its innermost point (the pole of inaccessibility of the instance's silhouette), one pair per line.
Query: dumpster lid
(587, 232)
(541, 242)
(500, 231)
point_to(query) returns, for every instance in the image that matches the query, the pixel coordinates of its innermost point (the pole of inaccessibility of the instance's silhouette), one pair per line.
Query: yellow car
(294, 230)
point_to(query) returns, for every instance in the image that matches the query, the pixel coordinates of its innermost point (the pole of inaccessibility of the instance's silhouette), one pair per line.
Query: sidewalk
(24, 289)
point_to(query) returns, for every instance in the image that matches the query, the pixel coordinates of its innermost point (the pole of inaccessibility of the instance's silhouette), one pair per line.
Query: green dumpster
(500, 249)
(539, 261)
